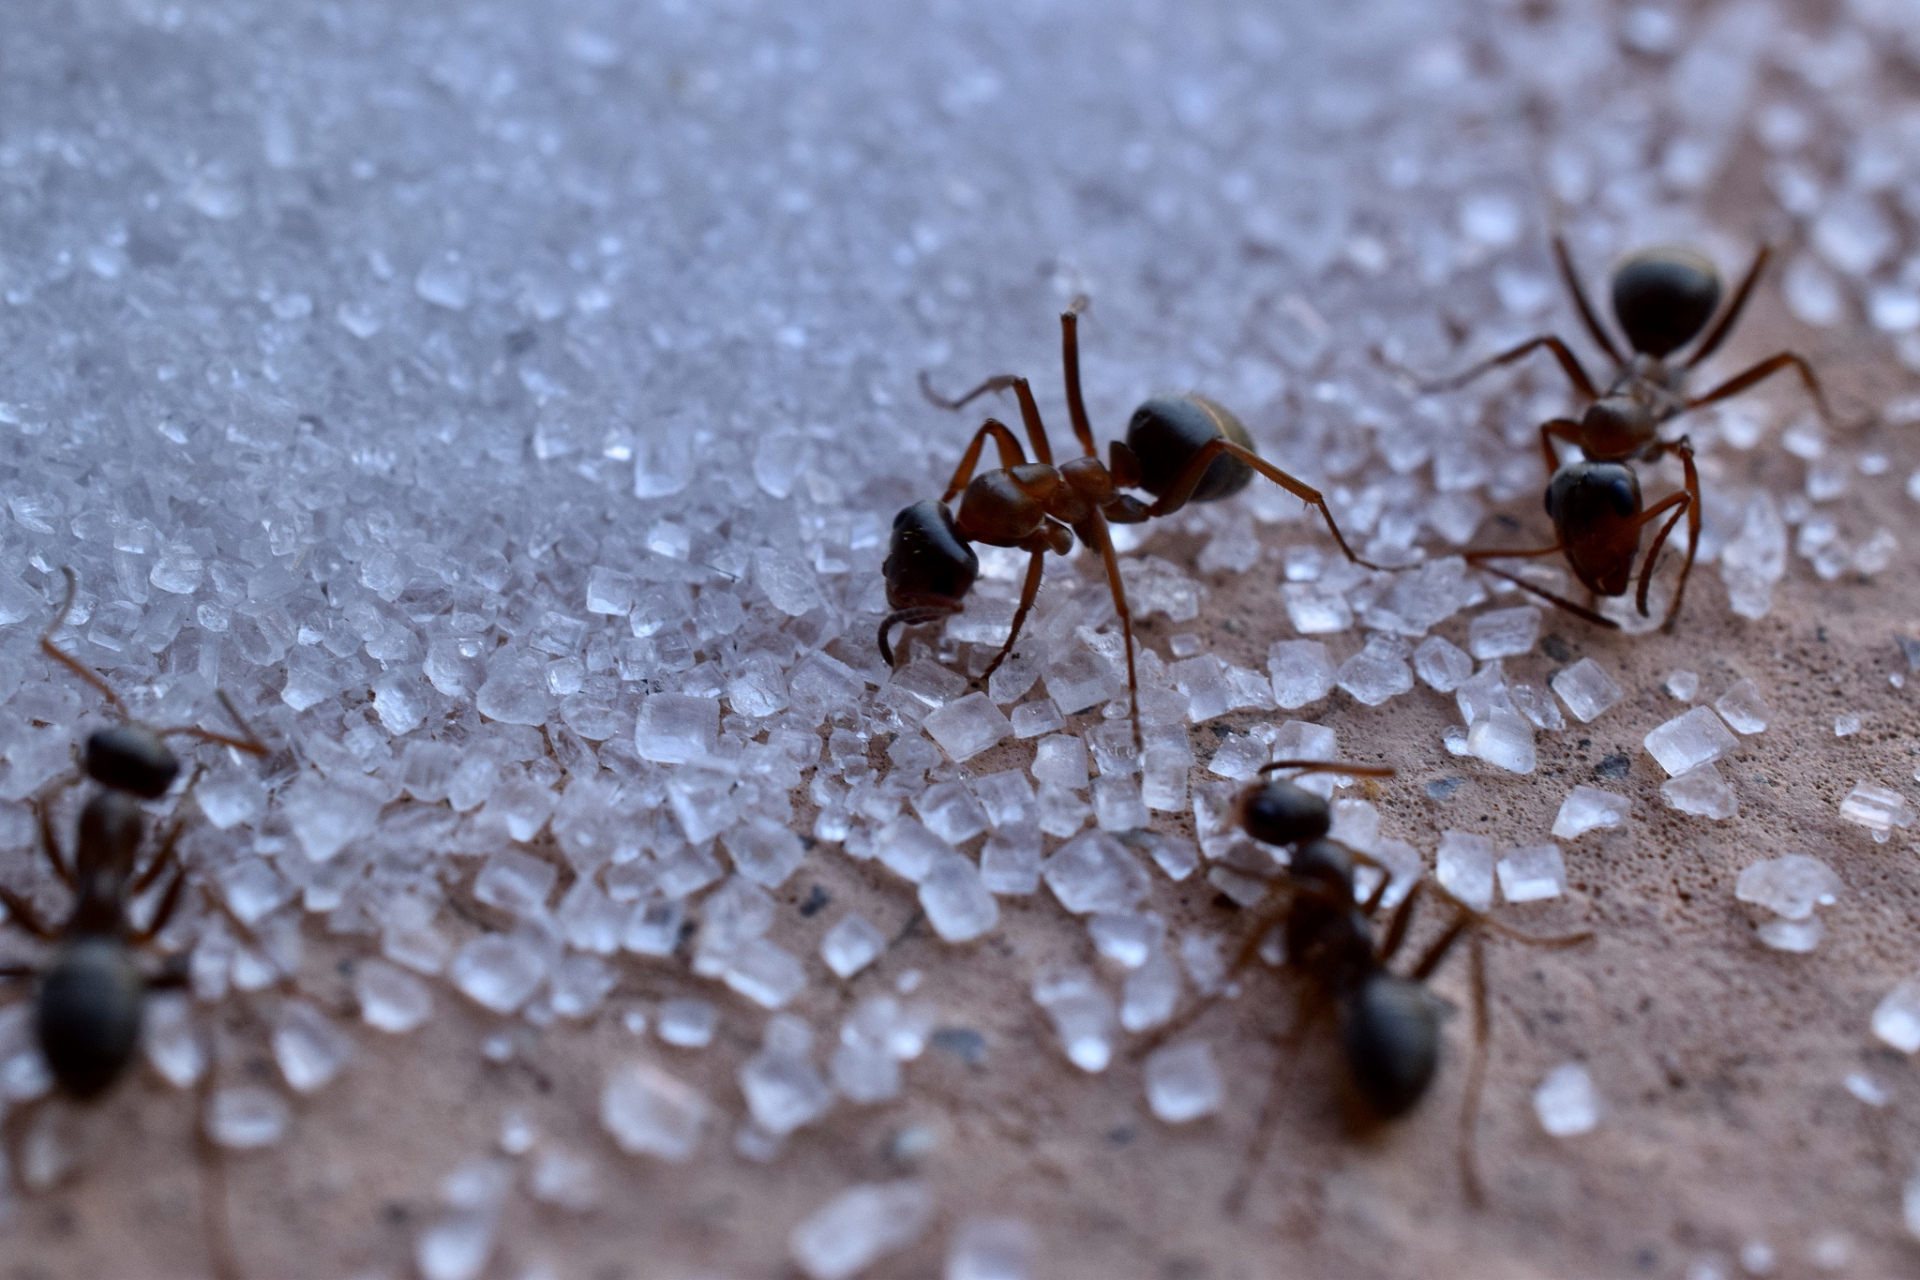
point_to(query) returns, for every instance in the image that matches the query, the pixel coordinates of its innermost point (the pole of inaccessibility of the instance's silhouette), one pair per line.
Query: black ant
(1663, 298)
(1389, 1025)
(1179, 449)
(88, 1004)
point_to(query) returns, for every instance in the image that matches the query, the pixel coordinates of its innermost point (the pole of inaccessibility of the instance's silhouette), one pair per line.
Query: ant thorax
(1654, 383)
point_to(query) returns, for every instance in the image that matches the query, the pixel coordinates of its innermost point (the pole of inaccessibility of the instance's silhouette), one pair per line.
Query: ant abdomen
(131, 757)
(1390, 1036)
(1168, 430)
(89, 1014)
(1663, 297)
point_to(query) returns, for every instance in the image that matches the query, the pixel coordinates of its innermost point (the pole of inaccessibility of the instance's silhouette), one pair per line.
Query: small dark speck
(1585, 743)
(1122, 1136)
(1614, 766)
(1911, 650)
(1443, 788)
(395, 1213)
(1220, 730)
(1646, 1258)
(1230, 626)
(1556, 648)
(963, 1042)
(521, 341)
(1762, 780)
(1820, 633)
(817, 897)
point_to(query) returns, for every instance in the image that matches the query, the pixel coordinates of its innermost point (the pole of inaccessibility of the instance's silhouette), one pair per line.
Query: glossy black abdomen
(88, 1015)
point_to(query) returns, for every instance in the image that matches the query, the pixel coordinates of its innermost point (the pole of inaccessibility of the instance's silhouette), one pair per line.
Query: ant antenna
(1331, 766)
(66, 659)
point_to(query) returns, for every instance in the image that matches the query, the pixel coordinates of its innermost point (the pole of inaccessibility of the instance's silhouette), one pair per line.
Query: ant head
(1277, 812)
(131, 758)
(1584, 494)
(1663, 298)
(111, 827)
(1616, 427)
(927, 559)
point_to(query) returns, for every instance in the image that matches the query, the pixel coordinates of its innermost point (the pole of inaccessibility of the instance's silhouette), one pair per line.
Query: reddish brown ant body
(1179, 449)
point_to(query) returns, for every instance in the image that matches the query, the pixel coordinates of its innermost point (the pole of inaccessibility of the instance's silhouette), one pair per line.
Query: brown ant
(1389, 1025)
(1663, 298)
(1179, 449)
(91, 989)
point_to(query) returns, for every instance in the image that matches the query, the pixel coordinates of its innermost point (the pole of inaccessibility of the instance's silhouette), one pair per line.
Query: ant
(1179, 449)
(1663, 298)
(1389, 1025)
(88, 1003)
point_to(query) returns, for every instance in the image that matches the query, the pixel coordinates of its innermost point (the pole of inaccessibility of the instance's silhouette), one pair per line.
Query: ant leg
(1003, 439)
(912, 617)
(68, 660)
(1684, 447)
(1718, 335)
(18, 971)
(1476, 1074)
(1182, 488)
(1569, 364)
(1027, 594)
(1765, 369)
(49, 842)
(1478, 559)
(1262, 923)
(1070, 362)
(1552, 942)
(1097, 525)
(21, 912)
(164, 912)
(1029, 411)
(1566, 429)
(1438, 949)
(1269, 1119)
(1681, 500)
(1402, 918)
(1579, 293)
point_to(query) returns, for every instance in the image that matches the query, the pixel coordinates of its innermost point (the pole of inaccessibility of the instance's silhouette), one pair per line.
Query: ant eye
(1625, 500)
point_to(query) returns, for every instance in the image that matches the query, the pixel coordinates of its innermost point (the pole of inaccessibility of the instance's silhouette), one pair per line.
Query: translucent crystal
(950, 811)
(246, 1117)
(1316, 609)
(1080, 679)
(648, 1112)
(1586, 809)
(1127, 938)
(957, 903)
(1867, 1089)
(675, 728)
(1150, 993)
(781, 1085)
(908, 849)
(1896, 1019)
(1010, 860)
(1701, 791)
(1182, 1082)
(1118, 804)
(764, 973)
(1005, 798)
(1586, 689)
(1082, 1014)
(515, 882)
(858, 1227)
(1567, 1102)
(1685, 742)
(1505, 740)
(1378, 672)
(391, 999)
(1789, 886)
(1095, 872)
(852, 945)
(1503, 633)
(499, 971)
(1061, 812)
(1798, 936)
(992, 1249)
(764, 851)
(1742, 708)
(1464, 868)
(1684, 685)
(1878, 809)
(967, 726)
(1031, 719)
(1846, 724)
(687, 1022)
(309, 1049)
(1301, 671)
(1441, 664)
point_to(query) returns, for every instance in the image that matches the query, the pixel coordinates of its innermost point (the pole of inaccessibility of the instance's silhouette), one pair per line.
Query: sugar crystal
(499, 971)
(1464, 868)
(1566, 1101)
(1441, 664)
(1080, 679)
(1789, 886)
(309, 1049)
(1095, 872)
(852, 945)
(1846, 724)
(1118, 805)
(391, 999)
(1878, 809)
(1799, 936)
(1032, 719)
(1701, 791)
(764, 851)
(649, 1112)
(957, 903)
(861, 1225)
(782, 1088)
(1684, 685)
(1587, 808)
(246, 1117)
(1082, 1014)
(1010, 860)
(1688, 741)
(688, 1022)
(1150, 993)
(992, 1249)
(1503, 633)
(1503, 739)
(1182, 1082)
(1741, 707)
(1586, 689)
(1301, 672)
(1378, 672)
(1532, 873)
(1867, 1089)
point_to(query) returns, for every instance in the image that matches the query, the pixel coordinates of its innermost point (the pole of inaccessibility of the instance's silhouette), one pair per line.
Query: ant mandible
(87, 1007)
(1389, 1026)
(1663, 298)
(1179, 449)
